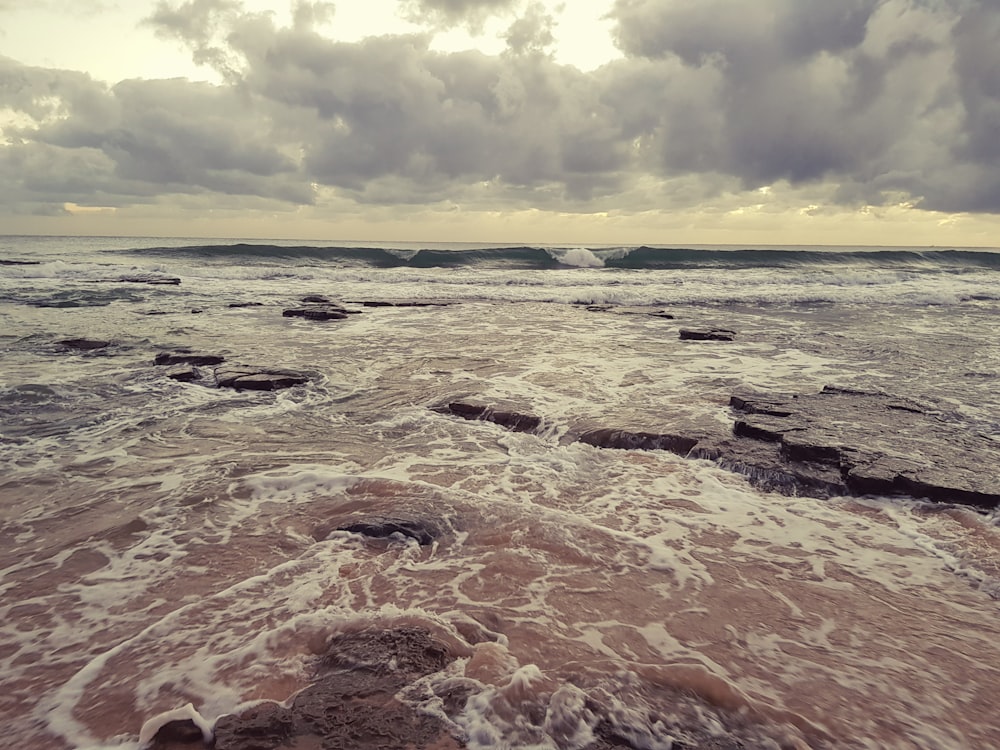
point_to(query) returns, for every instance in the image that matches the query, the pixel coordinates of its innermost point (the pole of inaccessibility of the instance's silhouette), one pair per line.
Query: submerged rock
(184, 373)
(257, 378)
(653, 312)
(512, 420)
(143, 278)
(352, 703)
(84, 345)
(423, 530)
(707, 334)
(402, 303)
(612, 438)
(319, 312)
(187, 357)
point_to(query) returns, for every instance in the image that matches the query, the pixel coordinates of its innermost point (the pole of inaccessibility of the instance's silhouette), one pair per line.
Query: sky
(860, 122)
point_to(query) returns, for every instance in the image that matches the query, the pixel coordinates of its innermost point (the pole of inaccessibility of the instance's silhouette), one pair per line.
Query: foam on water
(170, 545)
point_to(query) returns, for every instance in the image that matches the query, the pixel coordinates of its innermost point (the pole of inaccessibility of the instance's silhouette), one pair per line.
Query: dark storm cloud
(888, 97)
(875, 101)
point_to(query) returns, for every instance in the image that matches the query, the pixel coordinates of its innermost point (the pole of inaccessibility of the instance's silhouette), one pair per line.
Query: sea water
(167, 543)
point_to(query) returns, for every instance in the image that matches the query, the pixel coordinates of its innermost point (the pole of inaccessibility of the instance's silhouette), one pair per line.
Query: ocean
(174, 549)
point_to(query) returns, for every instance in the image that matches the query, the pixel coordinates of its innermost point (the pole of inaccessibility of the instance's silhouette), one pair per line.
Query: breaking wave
(541, 258)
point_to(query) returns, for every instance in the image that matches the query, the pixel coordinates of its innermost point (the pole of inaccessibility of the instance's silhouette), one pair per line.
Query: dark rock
(854, 442)
(246, 304)
(184, 373)
(144, 278)
(624, 439)
(352, 703)
(315, 299)
(195, 311)
(708, 334)
(19, 262)
(835, 442)
(327, 311)
(381, 527)
(178, 732)
(187, 357)
(84, 345)
(399, 654)
(257, 378)
(627, 310)
(512, 420)
(265, 726)
(404, 303)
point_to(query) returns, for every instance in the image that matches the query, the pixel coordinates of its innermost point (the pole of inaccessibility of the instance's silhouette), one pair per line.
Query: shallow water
(166, 543)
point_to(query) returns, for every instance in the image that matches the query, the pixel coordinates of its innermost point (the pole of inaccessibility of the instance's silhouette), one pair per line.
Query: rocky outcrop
(706, 334)
(187, 357)
(257, 378)
(422, 530)
(835, 442)
(853, 442)
(611, 438)
(401, 303)
(184, 373)
(143, 278)
(512, 420)
(352, 703)
(319, 311)
(184, 365)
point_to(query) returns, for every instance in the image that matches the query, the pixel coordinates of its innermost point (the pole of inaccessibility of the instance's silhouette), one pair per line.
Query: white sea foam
(579, 257)
(175, 544)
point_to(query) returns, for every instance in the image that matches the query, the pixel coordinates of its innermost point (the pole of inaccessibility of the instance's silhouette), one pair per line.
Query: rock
(627, 310)
(187, 357)
(708, 334)
(178, 732)
(319, 312)
(19, 262)
(403, 303)
(512, 420)
(612, 438)
(245, 304)
(352, 703)
(262, 727)
(84, 345)
(143, 278)
(381, 527)
(855, 442)
(315, 299)
(184, 373)
(257, 378)
(835, 442)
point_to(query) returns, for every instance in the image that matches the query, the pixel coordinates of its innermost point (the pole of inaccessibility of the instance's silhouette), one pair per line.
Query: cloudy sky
(602, 121)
